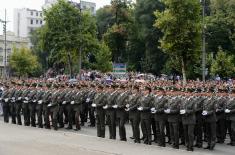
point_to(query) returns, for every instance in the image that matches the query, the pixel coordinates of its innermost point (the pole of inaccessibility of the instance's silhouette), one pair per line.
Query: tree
(68, 35)
(220, 26)
(37, 49)
(180, 23)
(104, 58)
(116, 36)
(223, 65)
(23, 62)
(105, 19)
(152, 56)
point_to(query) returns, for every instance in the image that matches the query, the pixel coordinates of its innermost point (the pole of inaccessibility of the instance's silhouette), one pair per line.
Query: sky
(9, 5)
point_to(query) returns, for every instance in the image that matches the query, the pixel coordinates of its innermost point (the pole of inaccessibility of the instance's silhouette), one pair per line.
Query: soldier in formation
(174, 114)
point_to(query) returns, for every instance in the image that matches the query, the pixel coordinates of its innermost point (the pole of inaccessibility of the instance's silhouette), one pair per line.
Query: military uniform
(209, 109)
(160, 117)
(145, 117)
(77, 107)
(111, 114)
(199, 120)
(98, 103)
(53, 108)
(39, 107)
(46, 98)
(63, 114)
(32, 106)
(5, 106)
(172, 109)
(122, 115)
(187, 111)
(25, 106)
(134, 115)
(91, 110)
(221, 119)
(18, 105)
(230, 112)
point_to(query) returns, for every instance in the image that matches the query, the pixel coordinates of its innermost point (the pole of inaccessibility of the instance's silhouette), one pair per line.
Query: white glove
(93, 105)
(72, 102)
(182, 112)
(127, 109)
(105, 107)
(204, 112)
(34, 101)
(13, 98)
(26, 102)
(167, 111)
(6, 100)
(115, 106)
(227, 111)
(153, 109)
(26, 98)
(140, 108)
(64, 102)
(88, 100)
(49, 105)
(0, 98)
(19, 98)
(128, 105)
(40, 102)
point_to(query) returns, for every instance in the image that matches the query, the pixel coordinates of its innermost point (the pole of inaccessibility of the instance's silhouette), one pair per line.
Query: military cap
(123, 86)
(34, 85)
(136, 87)
(40, 85)
(48, 85)
(148, 88)
(78, 86)
(92, 85)
(100, 86)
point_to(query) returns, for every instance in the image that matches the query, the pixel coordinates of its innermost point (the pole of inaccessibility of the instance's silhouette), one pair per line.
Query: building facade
(26, 20)
(12, 42)
(85, 5)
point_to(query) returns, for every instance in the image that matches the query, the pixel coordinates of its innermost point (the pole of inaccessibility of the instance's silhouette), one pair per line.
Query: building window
(36, 21)
(41, 14)
(41, 22)
(36, 13)
(1, 58)
(31, 13)
(31, 21)
(9, 50)
(1, 49)
(92, 9)
(8, 58)
(31, 30)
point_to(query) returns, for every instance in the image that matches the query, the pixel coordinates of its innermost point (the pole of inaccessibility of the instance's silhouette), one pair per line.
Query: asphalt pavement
(22, 140)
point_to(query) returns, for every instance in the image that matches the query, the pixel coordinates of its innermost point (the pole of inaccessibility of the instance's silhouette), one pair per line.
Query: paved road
(21, 140)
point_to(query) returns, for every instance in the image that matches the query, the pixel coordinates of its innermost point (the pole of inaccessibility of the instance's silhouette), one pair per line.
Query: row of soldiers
(185, 116)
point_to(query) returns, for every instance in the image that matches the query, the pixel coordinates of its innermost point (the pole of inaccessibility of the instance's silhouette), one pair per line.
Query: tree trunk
(183, 72)
(70, 65)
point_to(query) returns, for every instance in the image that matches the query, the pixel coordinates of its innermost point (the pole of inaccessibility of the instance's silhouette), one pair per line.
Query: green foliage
(104, 58)
(223, 65)
(153, 59)
(105, 19)
(23, 62)
(66, 32)
(180, 23)
(220, 26)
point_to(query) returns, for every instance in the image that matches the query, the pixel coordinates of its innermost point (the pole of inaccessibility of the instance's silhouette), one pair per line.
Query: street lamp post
(80, 48)
(203, 42)
(5, 45)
